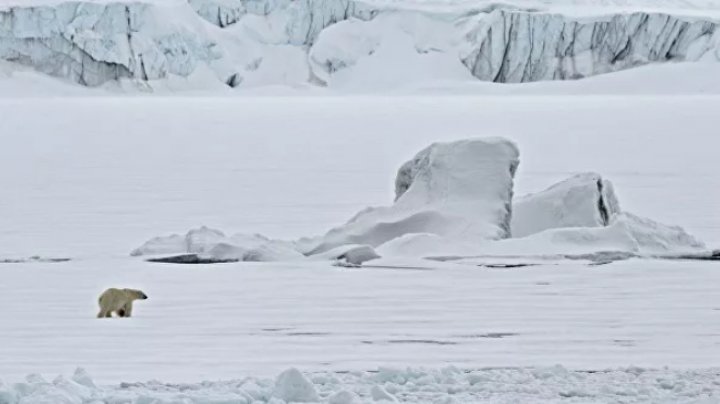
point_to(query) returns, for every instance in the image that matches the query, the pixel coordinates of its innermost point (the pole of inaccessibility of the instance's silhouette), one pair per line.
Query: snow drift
(624, 233)
(338, 43)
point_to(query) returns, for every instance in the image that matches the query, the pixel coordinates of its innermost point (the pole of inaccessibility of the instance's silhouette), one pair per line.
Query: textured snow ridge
(91, 43)
(585, 200)
(447, 385)
(521, 46)
(456, 191)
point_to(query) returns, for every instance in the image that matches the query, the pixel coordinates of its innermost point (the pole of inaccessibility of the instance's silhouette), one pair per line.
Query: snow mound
(391, 50)
(214, 244)
(653, 237)
(585, 200)
(457, 190)
(343, 397)
(293, 387)
(353, 254)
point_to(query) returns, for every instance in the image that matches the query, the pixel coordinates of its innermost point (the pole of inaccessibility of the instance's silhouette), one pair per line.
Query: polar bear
(119, 301)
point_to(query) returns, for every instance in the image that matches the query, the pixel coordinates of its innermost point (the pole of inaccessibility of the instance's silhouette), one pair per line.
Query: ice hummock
(215, 245)
(410, 385)
(456, 190)
(584, 200)
(456, 199)
(293, 387)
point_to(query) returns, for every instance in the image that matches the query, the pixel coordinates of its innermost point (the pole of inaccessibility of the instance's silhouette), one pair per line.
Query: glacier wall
(257, 42)
(219, 12)
(91, 43)
(522, 46)
(303, 20)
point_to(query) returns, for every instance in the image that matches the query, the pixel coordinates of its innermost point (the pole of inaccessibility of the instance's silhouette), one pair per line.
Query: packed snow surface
(229, 321)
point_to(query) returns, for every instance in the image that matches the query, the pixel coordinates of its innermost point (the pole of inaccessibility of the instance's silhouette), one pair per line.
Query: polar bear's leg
(127, 309)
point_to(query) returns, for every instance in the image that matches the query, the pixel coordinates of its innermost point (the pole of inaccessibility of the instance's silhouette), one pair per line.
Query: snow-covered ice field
(229, 321)
(92, 178)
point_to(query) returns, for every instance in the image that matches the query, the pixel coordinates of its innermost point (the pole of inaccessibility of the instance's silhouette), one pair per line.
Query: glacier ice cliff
(219, 12)
(251, 42)
(522, 46)
(300, 20)
(91, 43)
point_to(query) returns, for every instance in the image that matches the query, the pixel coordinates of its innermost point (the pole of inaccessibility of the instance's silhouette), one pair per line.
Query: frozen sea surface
(233, 320)
(92, 178)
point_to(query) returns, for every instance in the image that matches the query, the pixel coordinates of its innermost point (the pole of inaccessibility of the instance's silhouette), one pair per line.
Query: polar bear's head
(136, 294)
